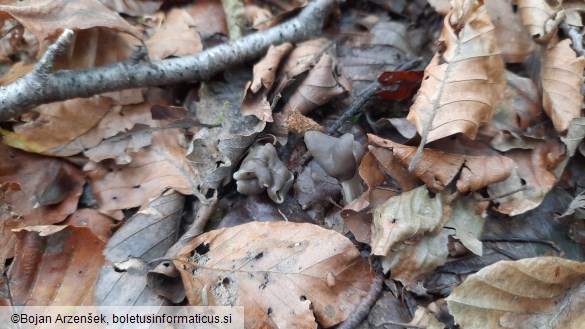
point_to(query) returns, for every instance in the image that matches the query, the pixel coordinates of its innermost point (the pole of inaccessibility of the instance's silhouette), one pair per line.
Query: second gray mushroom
(339, 158)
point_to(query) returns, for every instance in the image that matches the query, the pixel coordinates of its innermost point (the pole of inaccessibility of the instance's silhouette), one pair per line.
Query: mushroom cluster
(262, 170)
(339, 158)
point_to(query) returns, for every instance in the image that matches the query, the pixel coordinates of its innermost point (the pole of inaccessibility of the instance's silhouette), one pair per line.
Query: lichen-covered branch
(34, 89)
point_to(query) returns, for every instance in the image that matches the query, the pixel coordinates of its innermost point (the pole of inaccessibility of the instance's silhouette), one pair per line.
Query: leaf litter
(487, 193)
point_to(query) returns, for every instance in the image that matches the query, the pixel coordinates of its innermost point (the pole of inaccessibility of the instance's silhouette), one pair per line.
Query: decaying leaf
(255, 98)
(58, 123)
(47, 18)
(278, 271)
(540, 19)
(437, 169)
(301, 59)
(146, 236)
(575, 135)
(562, 77)
(50, 190)
(322, 84)
(513, 40)
(576, 208)
(405, 219)
(177, 36)
(65, 259)
(133, 7)
(542, 292)
(413, 261)
(158, 167)
(464, 82)
(531, 179)
(468, 219)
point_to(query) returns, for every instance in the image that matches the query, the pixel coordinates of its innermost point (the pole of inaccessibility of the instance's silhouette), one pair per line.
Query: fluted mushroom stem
(351, 189)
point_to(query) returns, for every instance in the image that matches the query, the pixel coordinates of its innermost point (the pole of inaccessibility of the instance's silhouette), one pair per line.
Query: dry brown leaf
(542, 292)
(47, 18)
(255, 98)
(50, 190)
(540, 19)
(437, 169)
(95, 47)
(532, 178)
(158, 167)
(413, 261)
(55, 124)
(177, 36)
(65, 259)
(97, 222)
(201, 11)
(259, 18)
(575, 135)
(405, 218)
(464, 82)
(133, 7)
(132, 112)
(301, 59)
(144, 237)
(425, 319)
(322, 84)
(521, 107)
(441, 6)
(562, 77)
(287, 275)
(512, 38)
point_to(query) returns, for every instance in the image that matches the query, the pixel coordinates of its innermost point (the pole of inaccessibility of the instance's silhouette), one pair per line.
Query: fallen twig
(363, 309)
(42, 86)
(551, 244)
(357, 105)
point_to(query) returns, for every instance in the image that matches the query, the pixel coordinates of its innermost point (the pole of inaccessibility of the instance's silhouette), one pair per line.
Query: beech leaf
(46, 18)
(542, 292)
(437, 169)
(286, 275)
(464, 81)
(64, 258)
(562, 77)
(406, 217)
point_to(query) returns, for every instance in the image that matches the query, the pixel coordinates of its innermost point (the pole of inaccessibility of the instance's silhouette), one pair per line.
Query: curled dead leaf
(542, 292)
(464, 81)
(437, 169)
(562, 77)
(322, 84)
(540, 19)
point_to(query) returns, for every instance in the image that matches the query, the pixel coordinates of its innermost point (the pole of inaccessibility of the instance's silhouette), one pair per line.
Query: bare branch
(30, 91)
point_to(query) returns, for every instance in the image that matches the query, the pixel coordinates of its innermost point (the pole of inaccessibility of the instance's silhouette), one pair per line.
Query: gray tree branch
(41, 87)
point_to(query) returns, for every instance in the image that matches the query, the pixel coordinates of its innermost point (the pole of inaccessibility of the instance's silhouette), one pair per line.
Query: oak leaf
(287, 275)
(464, 82)
(542, 292)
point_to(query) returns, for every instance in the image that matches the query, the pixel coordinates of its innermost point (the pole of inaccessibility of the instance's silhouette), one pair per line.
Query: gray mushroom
(262, 170)
(339, 157)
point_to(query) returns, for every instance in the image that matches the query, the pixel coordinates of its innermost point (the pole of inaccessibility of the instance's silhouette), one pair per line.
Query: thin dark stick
(357, 105)
(525, 240)
(525, 187)
(363, 309)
